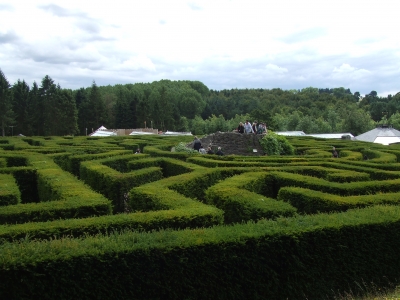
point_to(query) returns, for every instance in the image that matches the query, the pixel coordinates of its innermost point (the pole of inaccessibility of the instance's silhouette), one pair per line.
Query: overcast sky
(288, 44)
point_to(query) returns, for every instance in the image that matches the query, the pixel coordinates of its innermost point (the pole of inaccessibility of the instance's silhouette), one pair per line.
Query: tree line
(186, 105)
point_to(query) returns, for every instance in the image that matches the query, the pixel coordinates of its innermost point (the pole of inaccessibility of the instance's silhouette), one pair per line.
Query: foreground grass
(374, 293)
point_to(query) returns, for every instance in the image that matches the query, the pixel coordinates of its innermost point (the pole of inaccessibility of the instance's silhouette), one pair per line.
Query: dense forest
(47, 109)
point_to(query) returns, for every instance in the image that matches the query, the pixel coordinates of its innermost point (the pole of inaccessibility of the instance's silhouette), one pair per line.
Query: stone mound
(233, 143)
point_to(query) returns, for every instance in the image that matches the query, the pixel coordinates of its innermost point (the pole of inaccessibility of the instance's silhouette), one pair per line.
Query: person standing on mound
(240, 128)
(247, 127)
(196, 144)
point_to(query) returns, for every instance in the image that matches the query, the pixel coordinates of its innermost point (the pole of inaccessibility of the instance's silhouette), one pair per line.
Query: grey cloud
(8, 37)
(6, 7)
(88, 26)
(380, 59)
(61, 12)
(97, 38)
(194, 6)
(82, 22)
(301, 74)
(304, 69)
(53, 58)
(59, 54)
(304, 35)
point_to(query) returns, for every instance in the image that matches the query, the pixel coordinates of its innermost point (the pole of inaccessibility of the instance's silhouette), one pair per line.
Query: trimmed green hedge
(113, 184)
(237, 197)
(82, 207)
(91, 253)
(26, 178)
(121, 163)
(71, 163)
(329, 174)
(192, 215)
(308, 257)
(276, 180)
(310, 201)
(9, 192)
(69, 197)
(212, 163)
(195, 184)
(156, 151)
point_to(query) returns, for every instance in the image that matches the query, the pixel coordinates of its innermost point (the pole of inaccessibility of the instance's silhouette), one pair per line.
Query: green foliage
(274, 144)
(181, 147)
(6, 112)
(239, 197)
(258, 255)
(185, 106)
(114, 185)
(9, 192)
(161, 191)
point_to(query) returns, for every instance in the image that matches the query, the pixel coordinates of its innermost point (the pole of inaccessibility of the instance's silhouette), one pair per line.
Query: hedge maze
(86, 218)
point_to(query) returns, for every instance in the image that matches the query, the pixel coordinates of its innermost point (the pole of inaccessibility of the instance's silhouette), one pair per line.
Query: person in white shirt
(202, 150)
(247, 127)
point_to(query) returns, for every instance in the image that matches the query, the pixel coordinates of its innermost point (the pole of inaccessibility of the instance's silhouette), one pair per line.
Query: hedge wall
(306, 257)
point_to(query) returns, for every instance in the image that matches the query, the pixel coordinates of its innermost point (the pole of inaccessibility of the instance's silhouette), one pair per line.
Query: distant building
(177, 133)
(343, 136)
(291, 133)
(382, 134)
(102, 131)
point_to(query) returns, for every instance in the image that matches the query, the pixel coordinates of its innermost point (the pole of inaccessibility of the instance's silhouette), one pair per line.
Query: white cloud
(347, 71)
(274, 69)
(137, 63)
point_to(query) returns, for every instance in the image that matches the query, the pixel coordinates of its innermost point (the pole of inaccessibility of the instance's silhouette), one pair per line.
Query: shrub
(274, 144)
(181, 147)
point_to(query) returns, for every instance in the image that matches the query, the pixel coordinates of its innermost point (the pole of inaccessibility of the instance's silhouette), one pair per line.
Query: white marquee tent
(384, 134)
(102, 131)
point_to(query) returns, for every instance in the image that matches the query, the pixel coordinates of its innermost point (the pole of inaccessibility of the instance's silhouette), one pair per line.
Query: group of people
(199, 147)
(254, 128)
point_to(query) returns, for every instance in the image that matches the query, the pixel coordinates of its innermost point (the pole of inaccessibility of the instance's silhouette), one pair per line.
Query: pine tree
(20, 103)
(48, 101)
(6, 112)
(35, 112)
(96, 110)
(82, 104)
(68, 114)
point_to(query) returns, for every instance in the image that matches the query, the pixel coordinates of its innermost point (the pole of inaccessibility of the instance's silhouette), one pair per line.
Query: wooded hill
(47, 109)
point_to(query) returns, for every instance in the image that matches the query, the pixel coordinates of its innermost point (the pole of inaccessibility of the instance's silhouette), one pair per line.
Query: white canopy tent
(384, 134)
(177, 133)
(102, 131)
(141, 133)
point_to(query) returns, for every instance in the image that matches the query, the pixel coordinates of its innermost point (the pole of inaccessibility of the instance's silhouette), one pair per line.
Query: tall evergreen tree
(95, 109)
(68, 114)
(20, 105)
(6, 112)
(82, 104)
(48, 100)
(121, 114)
(35, 112)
